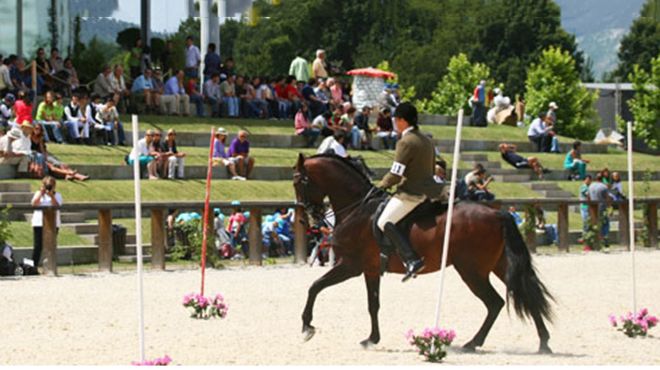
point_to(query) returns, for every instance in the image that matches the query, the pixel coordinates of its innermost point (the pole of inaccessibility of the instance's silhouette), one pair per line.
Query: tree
(555, 78)
(642, 43)
(52, 24)
(78, 45)
(645, 106)
(406, 93)
(513, 34)
(455, 88)
(127, 38)
(96, 54)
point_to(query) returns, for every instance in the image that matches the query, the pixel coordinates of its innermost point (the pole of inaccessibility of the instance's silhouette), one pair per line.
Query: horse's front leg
(336, 275)
(373, 296)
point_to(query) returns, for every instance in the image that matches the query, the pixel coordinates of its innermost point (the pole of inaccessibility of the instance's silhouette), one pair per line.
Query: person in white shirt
(44, 197)
(74, 119)
(333, 144)
(193, 58)
(6, 110)
(538, 133)
(109, 117)
(143, 155)
(9, 156)
(318, 66)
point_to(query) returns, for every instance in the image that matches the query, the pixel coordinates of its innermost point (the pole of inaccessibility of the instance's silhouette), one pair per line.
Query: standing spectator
(143, 86)
(55, 61)
(43, 67)
(8, 154)
(5, 79)
(598, 193)
(119, 87)
(75, 121)
(220, 156)
(304, 128)
(193, 58)
(616, 189)
(174, 87)
(237, 228)
(211, 61)
(108, 115)
(103, 85)
(213, 95)
(319, 66)
(195, 96)
(175, 158)
(228, 90)
(145, 60)
(299, 68)
(385, 129)
(23, 108)
(552, 114)
(361, 132)
(509, 155)
(46, 196)
(144, 155)
(135, 58)
(240, 149)
(47, 117)
(6, 110)
(575, 163)
(520, 110)
(584, 207)
(479, 105)
(166, 57)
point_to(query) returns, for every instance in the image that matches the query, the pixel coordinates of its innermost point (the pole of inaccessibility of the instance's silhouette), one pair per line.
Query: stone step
(512, 178)
(14, 187)
(492, 165)
(130, 239)
(15, 197)
(82, 228)
(7, 172)
(556, 194)
(543, 186)
(474, 157)
(66, 217)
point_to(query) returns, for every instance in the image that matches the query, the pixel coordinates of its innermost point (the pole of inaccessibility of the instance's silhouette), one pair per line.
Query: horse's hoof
(308, 332)
(469, 348)
(367, 343)
(545, 350)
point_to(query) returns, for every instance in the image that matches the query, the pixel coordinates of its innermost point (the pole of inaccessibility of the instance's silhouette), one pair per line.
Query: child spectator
(304, 128)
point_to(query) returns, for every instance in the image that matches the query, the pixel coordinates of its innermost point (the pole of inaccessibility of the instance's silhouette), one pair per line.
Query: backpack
(7, 265)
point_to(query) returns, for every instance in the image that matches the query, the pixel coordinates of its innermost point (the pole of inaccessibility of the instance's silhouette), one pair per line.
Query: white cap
(553, 105)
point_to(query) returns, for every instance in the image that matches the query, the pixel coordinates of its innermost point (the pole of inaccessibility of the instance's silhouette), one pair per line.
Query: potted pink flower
(218, 307)
(205, 308)
(432, 343)
(161, 361)
(634, 325)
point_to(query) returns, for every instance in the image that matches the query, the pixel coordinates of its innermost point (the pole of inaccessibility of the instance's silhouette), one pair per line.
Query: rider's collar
(410, 128)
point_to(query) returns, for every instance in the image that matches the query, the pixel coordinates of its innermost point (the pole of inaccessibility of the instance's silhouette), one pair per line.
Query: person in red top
(23, 108)
(293, 95)
(195, 96)
(283, 103)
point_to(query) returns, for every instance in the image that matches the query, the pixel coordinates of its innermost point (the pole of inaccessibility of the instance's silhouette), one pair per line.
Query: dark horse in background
(483, 240)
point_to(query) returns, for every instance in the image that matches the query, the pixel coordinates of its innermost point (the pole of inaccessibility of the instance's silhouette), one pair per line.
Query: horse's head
(307, 192)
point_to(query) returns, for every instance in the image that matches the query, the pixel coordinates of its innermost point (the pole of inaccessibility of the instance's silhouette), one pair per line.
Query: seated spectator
(516, 216)
(616, 188)
(440, 171)
(195, 96)
(304, 128)
(282, 97)
(6, 85)
(240, 149)
(220, 156)
(96, 126)
(144, 155)
(174, 87)
(47, 117)
(337, 95)
(160, 157)
(213, 95)
(175, 158)
(102, 84)
(315, 104)
(227, 68)
(43, 67)
(607, 178)
(158, 92)
(322, 122)
(550, 230)
(51, 165)
(75, 121)
(23, 108)
(323, 93)
(119, 88)
(6, 110)
(262, 96)
(284, 219)
(385, 130)
(10, 153)
(509, 155)
(245, 98)
(143, 88)
(293, 93)
(333, 145)
(361, 132)
(109, 117)
(539, 133)
(73, 80)
(477, 184)
(229, 97)
(575, 163)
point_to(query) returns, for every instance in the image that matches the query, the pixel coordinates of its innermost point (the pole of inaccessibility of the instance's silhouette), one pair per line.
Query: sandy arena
(76, 320)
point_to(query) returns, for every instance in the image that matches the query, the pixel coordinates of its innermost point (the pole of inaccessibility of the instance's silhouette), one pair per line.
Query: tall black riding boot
(411, 260)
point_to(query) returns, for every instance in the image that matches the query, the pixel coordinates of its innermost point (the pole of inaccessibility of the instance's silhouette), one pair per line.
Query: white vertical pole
(631, 215)
(138, 234)
(204, 36)
(450, 212)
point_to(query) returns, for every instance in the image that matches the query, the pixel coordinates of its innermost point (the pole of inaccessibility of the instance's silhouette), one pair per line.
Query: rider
(412, 172)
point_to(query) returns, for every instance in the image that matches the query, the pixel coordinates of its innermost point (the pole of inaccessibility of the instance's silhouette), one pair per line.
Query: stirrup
(413, 268)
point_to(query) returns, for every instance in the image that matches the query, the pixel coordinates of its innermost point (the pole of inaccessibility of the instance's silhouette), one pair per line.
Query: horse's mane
(348, 163)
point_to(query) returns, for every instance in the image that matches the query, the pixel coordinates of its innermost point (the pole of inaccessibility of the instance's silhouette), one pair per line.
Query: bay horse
(483, 240)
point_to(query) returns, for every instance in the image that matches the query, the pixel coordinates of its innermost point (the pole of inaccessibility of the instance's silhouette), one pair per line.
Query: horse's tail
(530, 296)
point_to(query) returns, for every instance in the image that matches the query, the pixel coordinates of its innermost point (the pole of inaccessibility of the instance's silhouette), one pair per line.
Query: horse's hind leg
(481, 287)
(373, 287)
(341, 272)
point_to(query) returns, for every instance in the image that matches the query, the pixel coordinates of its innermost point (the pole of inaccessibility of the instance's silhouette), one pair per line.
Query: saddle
(427, 209)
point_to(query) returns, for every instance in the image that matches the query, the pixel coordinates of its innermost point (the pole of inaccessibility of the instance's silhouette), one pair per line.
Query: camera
(49, 188)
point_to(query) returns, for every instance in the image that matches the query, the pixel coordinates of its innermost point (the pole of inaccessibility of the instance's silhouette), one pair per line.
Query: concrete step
(15, 197)
(14, 187)
(131, 249)
(7, 172)
(83, 228)
(474, 157)
(556, 194)
(513, 178)
(543, 186)
(66, 217)
(130, 239)
(492, 165)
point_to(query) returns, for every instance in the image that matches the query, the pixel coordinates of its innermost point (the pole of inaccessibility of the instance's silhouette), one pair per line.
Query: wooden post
(33, 68)
(49, 241)
(595, 223)
(254, 237)
(157, 238)
(300, 237)
(562, 226)
(653, 224)
(624, 225)
(105, 240)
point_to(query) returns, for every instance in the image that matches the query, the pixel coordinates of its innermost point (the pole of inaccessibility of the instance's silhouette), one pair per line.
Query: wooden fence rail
(257, 208)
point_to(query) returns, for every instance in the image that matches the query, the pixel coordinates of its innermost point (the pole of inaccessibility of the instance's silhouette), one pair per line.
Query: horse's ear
(300, 165)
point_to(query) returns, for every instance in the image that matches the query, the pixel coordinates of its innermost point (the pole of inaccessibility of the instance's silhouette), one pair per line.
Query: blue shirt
(211, 64)
(172, 87)
(308, 92)
(141, 83)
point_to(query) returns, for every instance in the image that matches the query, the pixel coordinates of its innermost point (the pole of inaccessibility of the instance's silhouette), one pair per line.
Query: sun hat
(14, 133)
(221, 131)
